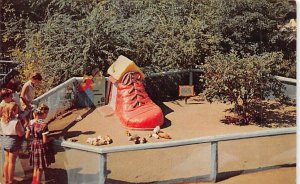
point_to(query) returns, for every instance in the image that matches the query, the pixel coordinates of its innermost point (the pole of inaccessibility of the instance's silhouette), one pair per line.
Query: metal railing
(7, 71)
(286, 80)
(6, 67)
(213, 140)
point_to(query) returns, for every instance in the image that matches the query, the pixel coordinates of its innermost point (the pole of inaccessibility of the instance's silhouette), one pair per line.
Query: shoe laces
(134, 79)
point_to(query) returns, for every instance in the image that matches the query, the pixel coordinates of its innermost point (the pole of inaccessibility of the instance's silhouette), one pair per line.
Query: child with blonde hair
(12, 139)
(40, 156)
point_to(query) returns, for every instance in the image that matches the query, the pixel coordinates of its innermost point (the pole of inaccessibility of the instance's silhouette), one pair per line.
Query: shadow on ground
(206, 178)
(268, 114)
(69, 134)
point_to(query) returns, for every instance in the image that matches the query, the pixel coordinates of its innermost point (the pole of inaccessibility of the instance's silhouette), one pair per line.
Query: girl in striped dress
(12, 139)
(40, 155)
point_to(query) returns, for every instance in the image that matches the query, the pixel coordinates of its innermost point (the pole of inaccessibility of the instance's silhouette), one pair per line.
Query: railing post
(191, 78)
(102, 172)
(214, 161)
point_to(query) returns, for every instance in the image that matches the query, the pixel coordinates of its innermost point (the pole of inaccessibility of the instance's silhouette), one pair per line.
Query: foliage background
(66, 38)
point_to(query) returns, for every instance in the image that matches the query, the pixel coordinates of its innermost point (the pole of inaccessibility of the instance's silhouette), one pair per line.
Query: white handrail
(199, 140)
(285, 79)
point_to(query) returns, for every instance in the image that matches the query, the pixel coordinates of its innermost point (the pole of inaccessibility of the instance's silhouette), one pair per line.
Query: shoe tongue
(130, 77)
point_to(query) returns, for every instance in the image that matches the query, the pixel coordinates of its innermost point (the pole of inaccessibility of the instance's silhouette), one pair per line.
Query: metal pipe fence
(6, 67)
(7, 71)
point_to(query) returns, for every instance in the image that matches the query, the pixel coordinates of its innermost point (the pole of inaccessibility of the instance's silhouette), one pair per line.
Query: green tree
(249, 26)
(18, 20)
(161, 35)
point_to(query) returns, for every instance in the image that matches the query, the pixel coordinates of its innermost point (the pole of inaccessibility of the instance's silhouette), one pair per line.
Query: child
(6, 96)
(40, 156)
(15, 85)
(12, 139)
(28, 95)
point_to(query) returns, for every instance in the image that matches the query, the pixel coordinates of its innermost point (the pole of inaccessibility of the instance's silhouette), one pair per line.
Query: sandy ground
(197, 118)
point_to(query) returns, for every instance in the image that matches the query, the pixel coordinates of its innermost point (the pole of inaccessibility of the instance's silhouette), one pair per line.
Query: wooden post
(102, 172)
(214, 161)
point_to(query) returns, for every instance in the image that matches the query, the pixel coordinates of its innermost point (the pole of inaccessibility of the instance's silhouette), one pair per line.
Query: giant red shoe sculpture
(132, 104)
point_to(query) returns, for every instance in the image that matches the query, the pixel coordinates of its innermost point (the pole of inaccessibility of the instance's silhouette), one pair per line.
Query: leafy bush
(242, 81)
